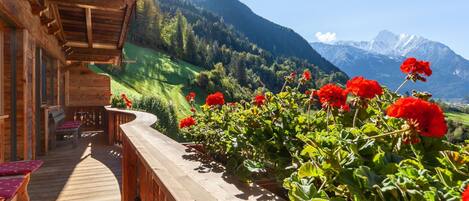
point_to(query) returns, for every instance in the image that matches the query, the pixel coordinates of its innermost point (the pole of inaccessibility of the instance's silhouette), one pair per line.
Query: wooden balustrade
(155, 167)
(115, 119)
(92, 118)
(2, 137)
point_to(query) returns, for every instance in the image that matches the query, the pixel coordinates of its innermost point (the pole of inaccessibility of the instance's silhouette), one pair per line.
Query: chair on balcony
(63, 128)
(14, 179)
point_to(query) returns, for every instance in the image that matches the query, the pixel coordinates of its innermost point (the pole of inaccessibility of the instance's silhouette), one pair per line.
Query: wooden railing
(2, 136)
(116, 118)
(90, 117)
(155, 167)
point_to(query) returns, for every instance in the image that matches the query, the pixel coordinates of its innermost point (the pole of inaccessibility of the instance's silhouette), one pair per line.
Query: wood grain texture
(86, 88)
(90, 172)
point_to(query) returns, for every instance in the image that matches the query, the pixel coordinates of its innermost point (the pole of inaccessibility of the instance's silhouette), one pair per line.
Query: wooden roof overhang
(92, 31)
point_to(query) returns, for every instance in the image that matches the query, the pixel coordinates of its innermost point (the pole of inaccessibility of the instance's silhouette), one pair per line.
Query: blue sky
(445, 21)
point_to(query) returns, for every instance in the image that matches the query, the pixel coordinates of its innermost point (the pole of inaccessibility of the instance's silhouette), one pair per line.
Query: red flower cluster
(127, 101)
(259, 100)
(332, 95)
(215, 99)
(187, 122)
(190, 97)
(465, 194)
(425, 117)
(414, 66)
(364, 88)
(307, 75)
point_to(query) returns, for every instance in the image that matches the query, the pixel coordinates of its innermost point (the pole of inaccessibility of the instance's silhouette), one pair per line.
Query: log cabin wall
(22, 33)
(84, 88)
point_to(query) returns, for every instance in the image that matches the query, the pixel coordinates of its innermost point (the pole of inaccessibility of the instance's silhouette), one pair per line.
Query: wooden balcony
(92, 171)
(130, 161)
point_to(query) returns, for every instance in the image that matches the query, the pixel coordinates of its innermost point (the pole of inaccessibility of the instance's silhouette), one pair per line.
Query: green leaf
(254, 166)
(309, 170)
(366, 177)
(370, 129)
(309, 151)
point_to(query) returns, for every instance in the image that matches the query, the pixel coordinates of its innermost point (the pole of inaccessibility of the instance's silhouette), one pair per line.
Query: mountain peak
(386, 36)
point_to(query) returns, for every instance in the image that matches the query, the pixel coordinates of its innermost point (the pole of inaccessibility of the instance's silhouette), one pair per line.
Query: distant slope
(458, 117)
(279, 40)
(155, 74)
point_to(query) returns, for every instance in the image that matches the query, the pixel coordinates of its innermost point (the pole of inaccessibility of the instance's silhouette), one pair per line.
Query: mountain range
(279, 40)
(381, 57)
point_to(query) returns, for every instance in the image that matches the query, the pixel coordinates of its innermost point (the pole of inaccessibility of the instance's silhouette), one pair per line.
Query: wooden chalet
(45, 48)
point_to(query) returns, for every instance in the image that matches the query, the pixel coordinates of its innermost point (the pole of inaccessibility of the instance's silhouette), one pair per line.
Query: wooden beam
(17, 13)
(95, 45)
(56, 14)
(112, 5)
(125, 24)
(97, 51)
(89, 27)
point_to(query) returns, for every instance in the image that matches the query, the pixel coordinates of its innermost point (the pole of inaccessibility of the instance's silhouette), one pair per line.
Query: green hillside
(458, 117)
(151, 73)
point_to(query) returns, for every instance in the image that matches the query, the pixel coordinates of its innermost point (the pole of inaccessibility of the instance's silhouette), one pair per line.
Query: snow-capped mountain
(380, 59)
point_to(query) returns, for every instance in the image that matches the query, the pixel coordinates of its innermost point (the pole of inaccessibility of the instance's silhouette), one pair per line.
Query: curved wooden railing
(155, 167)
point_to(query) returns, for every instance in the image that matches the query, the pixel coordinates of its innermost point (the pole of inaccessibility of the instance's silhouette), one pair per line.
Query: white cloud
(326, 37)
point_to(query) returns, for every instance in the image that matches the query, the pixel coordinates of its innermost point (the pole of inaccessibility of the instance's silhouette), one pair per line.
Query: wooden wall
(86, 88)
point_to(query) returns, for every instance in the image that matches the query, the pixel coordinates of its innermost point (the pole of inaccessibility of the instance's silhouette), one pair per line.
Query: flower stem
(400, 86)
(386, 134)
(355, 116)
(284, 85)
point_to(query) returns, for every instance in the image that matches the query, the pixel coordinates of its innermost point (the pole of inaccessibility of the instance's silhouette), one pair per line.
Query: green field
(458, 117)
(151, 73)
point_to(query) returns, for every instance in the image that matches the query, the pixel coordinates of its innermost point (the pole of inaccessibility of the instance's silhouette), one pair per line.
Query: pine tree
(179, 35)
(191, 46)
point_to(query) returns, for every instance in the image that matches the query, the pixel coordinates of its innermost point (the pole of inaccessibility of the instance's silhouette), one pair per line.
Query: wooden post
(13, 50)
(111, 126)
(37, 99)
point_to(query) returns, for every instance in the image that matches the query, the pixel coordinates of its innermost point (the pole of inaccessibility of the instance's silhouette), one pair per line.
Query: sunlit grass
(458, 117)
(151, 73)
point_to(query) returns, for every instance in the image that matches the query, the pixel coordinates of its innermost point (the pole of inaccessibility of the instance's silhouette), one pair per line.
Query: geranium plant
(121, 102)
(361, 142)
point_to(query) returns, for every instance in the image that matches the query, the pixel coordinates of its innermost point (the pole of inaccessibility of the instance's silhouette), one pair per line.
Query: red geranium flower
(308, 92)
(364, 88)
(293, 75)
(345, 108)
(190, 97)
(187, 122)
(413, 66)
(215, 99)
(412, 140)
(425, 117)
(307, 75)
(259, 100)
(332, 95)
(465, 194)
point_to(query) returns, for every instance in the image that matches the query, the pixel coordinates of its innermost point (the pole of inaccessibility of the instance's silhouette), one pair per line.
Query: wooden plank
(113, 5)
(125, 24)
(55, 12)
(89, 27)
(91, 171)
(95, 45)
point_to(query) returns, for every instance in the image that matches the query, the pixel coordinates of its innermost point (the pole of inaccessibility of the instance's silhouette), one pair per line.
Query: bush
(372, 144)
(167, 120)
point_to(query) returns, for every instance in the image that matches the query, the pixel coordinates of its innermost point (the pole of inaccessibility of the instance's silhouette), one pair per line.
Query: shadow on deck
(92, 171)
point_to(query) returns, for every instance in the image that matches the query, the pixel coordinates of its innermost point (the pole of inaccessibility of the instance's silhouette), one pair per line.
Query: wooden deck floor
(92, 171)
